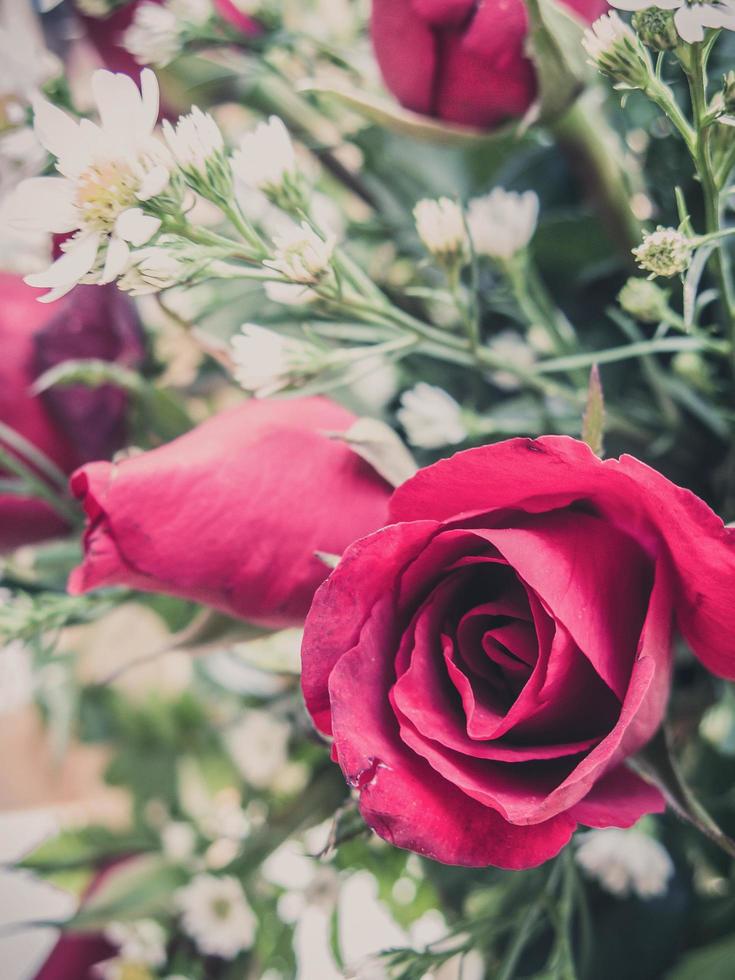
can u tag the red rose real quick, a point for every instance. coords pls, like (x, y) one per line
(460, 60)
(487, 662)
(69, 425)
(230, 514)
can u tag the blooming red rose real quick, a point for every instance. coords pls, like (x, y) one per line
(69, 425)
(231, 513)
(460, 60)
(488, 661)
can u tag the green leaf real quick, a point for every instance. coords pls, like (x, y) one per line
(713, 962)
(135, 889)
(381, 447)
(593, 422)
(554, 45)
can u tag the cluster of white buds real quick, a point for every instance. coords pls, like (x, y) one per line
(431, 417)
(625, 862)
(664, 252)
(265, 159)
(616, 50)
(266, 362)
(301, 255)
(441, 227)
(158, 31)
(502, 223)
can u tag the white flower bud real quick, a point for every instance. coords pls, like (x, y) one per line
(194, 142)
(440, 225)
(301, 255)
(265, 159)
(664, 252)
(625, 862)
(502, 223)
(267, 362)
(616, 50)
(431, 417)
(154, 36)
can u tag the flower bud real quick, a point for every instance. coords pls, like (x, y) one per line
(644, 300)
(656, 28)
(664, 252)
(440, 225)
(617, 52)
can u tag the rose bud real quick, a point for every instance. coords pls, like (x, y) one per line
(69, 425)
(460, 60)
(232, 513)
(488, 661)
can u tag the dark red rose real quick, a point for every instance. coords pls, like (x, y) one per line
(69, 425)
(231, 514)
(488, 661)
(460, 60)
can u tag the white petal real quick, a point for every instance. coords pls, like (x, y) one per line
(717, 16)
(53, 294)
(44, 203)
(53, 127)
(136, 227)
(116, 260)
(688, 24)
(154, 182)
(71, 267)
(150, 96)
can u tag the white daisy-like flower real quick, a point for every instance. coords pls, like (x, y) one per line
(216, 915)
(265, 158)
(178, 841)
(431, 417)
(502, 223)
(156, 32)
(664, 252)
(625, 862)
(301, 255)
(258, 744)
(107, 170)
(691, 19)
(266, 362)
(142, 942)
(440, 225)
(195, 141)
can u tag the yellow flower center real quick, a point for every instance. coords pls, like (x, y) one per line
(103, 192)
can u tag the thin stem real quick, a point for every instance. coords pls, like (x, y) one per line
(527, 925)
(38, 488)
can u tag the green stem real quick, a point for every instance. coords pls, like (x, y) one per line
(594, 151)
(663, 346)
(527, 925)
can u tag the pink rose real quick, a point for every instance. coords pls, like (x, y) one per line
(487, 662)
(231, 514)
(69, 425)
(460, 60)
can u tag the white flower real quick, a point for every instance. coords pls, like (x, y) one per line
(625, 862)
(107, 170)
(441, 227)
(664, 252)
(616, 50)
(289, 293)
(301, 255)
(266, 362)
(195, 141)
(502, 222)
(150, 270)
(142, 942)
(216, 915)
(513, 349)
(157, 30)
(178, 841)
(223, 817)
(691, 19)
(431, 417)
(258, 745)
(265, 158)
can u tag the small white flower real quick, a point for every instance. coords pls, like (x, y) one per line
(431, 417)
(289, 293)
(301, 255)
(216, 915)
(265, 158)
(513, 349)
(691, 19)
(178, 841)
(440, 225)
(502, 223)
(664, 252)
(142, 942)
(154, 36)
(195, 141)
(150, 270)
(625, 862)
(266, 362)
(258, 745)
(106, 171)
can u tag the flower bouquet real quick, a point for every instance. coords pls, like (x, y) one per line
(366, 448)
